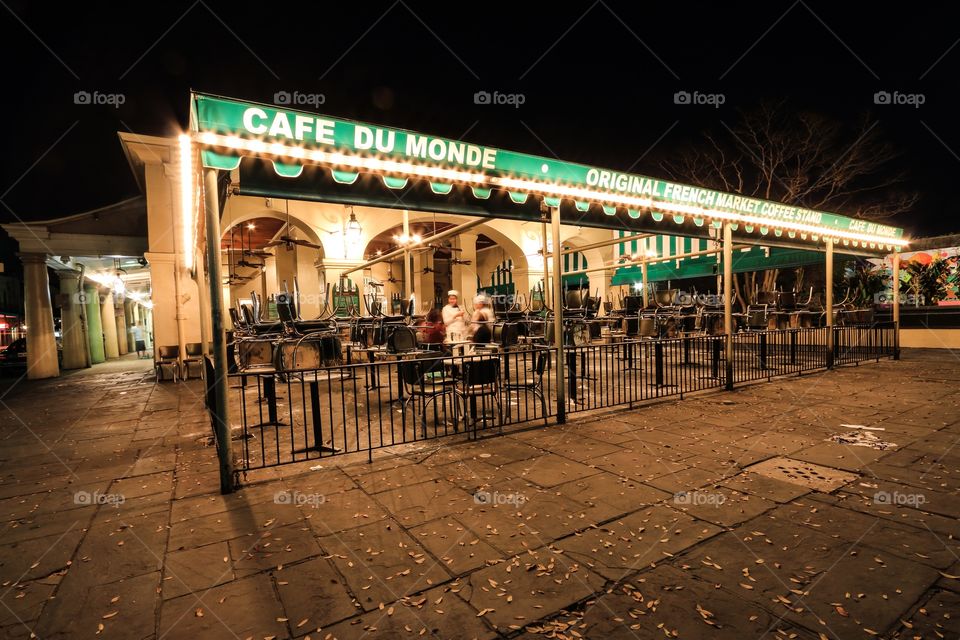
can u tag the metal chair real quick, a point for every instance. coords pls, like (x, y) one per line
(194, 356)
(481, 379)
(420, 382)
(167, 365)
(534, 384)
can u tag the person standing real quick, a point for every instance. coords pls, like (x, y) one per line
(139, 344)
(454, 318)
(481, 323)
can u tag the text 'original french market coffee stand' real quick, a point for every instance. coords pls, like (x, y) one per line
(280, 153)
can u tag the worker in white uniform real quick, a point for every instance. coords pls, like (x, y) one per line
(454, 318)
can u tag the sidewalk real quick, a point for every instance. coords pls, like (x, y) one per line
(649, 523)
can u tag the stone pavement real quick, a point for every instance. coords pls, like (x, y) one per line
(648, 523)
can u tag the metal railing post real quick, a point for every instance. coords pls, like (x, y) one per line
(221, 416)
(558, 314)
(829, 296)
(728, 300)
(896, 305)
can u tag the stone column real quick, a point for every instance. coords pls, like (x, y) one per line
(120, 321)
(72, 330)
(601, 283)
(94, 326)
(130, 321)
(465, 276)
(41, 343)
(521, 283)
(423, 282)
(109, 324)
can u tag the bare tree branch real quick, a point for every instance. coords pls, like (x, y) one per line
(802, 159)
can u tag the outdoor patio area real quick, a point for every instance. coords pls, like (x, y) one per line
(724, 515)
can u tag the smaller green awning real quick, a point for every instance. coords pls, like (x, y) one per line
(756, 259)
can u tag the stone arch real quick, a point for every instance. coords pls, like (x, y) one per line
(240, 218)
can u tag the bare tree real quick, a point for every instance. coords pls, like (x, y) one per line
(801, 159)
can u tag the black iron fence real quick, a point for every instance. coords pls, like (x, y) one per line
(396, 399)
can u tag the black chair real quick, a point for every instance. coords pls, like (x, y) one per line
(194, 356)
(481, 379)
(402, 340)
(421, 383)
(534, 384)
(167, 365)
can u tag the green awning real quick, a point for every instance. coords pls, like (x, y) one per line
(229, 130)
(755, 259)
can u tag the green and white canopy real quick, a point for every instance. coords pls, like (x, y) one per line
(324, 158)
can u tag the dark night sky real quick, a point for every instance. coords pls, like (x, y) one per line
(595, 90)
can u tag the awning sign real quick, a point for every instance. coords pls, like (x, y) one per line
(255, 127)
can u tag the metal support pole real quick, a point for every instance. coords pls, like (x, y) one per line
(221, 417)
(829, 304)
(896, 305)
(728, 301)
(558, 315)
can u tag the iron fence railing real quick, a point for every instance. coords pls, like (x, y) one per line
(396, 399)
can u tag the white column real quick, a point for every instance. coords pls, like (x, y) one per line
(128, 309)
(121, 327)
(643, 282)
(41, 343)
(465, 276)
(521, 282)
(108, 320)
(72, 329)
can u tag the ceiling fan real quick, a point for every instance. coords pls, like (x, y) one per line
(459, 261)
(390, 277)
(289, 240)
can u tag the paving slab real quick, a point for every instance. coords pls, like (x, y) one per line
(646, 537)
(528, 587)
(381, 563)
(548, 531)
(437, 613)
